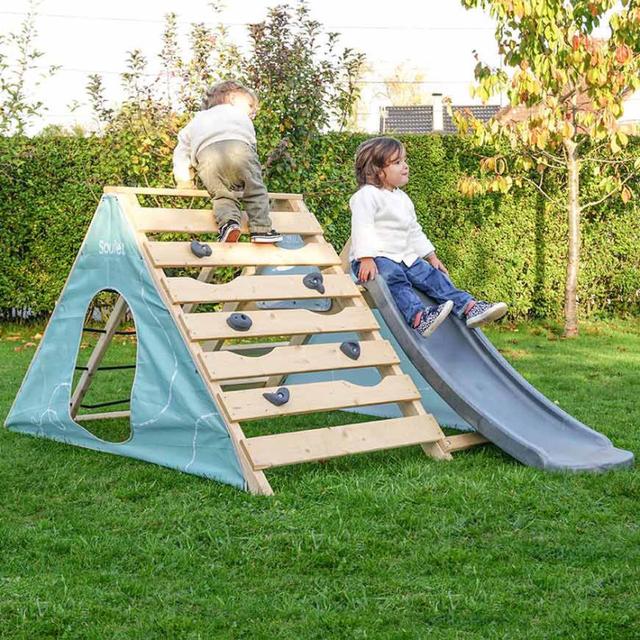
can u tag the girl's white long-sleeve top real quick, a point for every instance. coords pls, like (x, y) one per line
(384, 224)
(222, 122)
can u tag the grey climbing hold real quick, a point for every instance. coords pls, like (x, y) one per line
(350, 349)
(200, 249)
(279, 397)
(239, 321)
(314, 281)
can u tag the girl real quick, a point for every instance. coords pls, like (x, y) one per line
(387, 239)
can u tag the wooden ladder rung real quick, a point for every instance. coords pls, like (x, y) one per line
(250, 404)
(311, 445)
(241, 254)
(185, 290)
(224, 365)
(156, 220)
(193, 193)
(278, 322)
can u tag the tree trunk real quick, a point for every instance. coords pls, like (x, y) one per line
(573, 256)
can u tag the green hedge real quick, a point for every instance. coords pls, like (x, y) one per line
(499, 247)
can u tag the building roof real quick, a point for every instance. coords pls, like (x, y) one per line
(419, 119)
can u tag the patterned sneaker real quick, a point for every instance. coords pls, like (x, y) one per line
(268, 237)
(484, 312)
(200, 250)
(433, 317)
(229, 232)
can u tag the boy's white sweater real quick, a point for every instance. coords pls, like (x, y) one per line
(384, 224)
(222, 122)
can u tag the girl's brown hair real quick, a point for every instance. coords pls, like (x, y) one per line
(372, 156)
(221, 93)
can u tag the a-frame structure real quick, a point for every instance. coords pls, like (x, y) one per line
(236, 370)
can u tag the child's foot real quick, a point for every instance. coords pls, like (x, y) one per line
(483, 312)
(229, 232)
(267, 237)
(433, 317)
(200, 249)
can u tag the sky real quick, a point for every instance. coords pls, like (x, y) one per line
(435, 38)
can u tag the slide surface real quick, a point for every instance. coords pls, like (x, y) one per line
(481, 386)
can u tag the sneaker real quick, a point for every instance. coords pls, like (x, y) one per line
(433, 317)
(200, 249)
(268, 237)
(229, 232)
(484, 312)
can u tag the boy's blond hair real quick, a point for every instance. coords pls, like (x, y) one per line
(221, 93)
(373, 155)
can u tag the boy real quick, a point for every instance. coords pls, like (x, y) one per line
(220, 143)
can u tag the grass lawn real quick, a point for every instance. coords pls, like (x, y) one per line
(386, 545)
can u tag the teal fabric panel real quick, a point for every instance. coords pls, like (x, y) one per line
(174, 421)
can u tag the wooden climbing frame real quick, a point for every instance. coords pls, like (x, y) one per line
(238, 375)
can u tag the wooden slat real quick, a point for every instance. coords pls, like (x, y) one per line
(244, 288)
(463, 441)
(112, 415)
(241, 254)
(224, 365)
(157, 220)
(330, 442)
(317, 396)
(193, 193)
(278, 322)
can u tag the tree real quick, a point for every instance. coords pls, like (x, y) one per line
(305, 83)
(17, 107)
(404, 87)
(566, 89)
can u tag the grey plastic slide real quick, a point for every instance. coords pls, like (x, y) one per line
(481, 386)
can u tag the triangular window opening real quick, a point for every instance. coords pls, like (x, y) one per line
(105, 369)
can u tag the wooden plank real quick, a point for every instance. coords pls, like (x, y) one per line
(330, 442)
(225, 365)
(192, 193)
(112, 324)
(244, 288)
(178, 254)
(278, 322)
(112, 415)
(155, 220)
(317, 396)
(463, 441)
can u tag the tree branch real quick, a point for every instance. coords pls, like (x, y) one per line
(541, 190)
(608, 195)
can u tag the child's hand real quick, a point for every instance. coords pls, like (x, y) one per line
(185, 184)
(434, 261)
(368, 269)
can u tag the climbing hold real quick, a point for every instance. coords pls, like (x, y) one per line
(239, 321)
(350, 349)
(280, 397)
(314, 281)
(200, 250)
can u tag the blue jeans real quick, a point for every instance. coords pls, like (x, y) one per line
(401, 281)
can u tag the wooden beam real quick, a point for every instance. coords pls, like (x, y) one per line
(317, 396)
(277, 322)
(112, 324)
(330, 442)
(112, 415)
(184, 290)
(156, 220)
(224, 365)
(191, 193)
(463, 441)
(178, 254)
